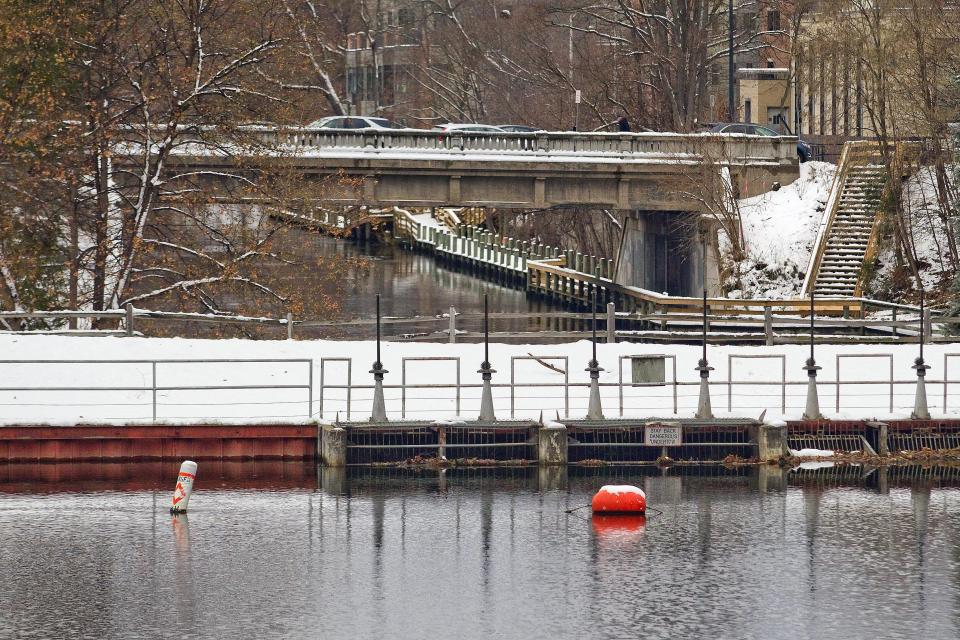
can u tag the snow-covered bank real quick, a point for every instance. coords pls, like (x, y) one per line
(929, 230)
(539, 387)
(780, 229)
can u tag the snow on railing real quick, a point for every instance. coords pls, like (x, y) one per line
(735, 149)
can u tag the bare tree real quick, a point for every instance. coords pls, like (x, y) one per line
(156, 69)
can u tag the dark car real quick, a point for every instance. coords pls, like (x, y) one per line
(804, 150)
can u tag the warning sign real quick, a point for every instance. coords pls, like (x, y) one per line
(663, 435)
(178, 493)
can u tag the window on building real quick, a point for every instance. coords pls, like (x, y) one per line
(773, 20)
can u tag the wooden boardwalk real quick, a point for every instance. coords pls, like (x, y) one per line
(570, 278)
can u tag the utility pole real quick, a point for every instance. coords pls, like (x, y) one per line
(731, 110)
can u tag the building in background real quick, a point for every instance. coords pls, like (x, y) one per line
(380, 61)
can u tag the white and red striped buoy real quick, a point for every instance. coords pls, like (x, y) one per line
(181, 493)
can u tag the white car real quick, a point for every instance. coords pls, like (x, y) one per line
(353, 122)
(468, 128)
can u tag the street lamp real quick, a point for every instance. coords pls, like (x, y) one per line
(704, 408)
(920, 410)
(379, 413)
(813, 401)
(486, 370)
(594, 411)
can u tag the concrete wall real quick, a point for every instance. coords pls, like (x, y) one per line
(662, 252)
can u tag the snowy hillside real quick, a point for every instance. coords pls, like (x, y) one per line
(780, 228)
(929, 232)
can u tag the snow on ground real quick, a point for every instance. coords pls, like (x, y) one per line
(812, 453)
(780, 229)
(929, 232)
(122, 392)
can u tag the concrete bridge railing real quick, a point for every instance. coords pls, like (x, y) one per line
(723, 149)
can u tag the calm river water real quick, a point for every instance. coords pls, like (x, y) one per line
(413, 284)
(277, 550)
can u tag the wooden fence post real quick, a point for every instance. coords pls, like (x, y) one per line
(453, 325)
(611, 323)
(129, 309)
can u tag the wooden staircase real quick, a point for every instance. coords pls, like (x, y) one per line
(847, 240)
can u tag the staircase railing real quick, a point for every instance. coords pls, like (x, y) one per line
(830, 212)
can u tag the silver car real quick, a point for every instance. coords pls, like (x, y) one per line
(468, 128)
(354, 122)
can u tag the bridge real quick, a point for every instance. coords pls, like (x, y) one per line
(417, 168)
(659, 177)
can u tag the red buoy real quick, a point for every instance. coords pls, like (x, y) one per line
(625, 498)
(616, 525)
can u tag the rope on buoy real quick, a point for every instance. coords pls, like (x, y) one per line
(657, 512)
(583, 506)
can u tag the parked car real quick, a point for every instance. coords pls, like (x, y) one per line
(451, 127)
(804, 150)
(354, 122)
(519, 128)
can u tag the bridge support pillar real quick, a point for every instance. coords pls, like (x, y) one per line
(661, 251)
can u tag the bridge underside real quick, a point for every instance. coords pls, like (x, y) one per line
(677, 185)
(659, 249)
(668, 253)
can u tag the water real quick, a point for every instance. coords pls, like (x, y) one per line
(272, 550)
(412, 283)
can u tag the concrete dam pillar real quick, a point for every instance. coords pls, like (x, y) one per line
(662, 252)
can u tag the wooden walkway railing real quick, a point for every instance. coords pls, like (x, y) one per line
(547, 326)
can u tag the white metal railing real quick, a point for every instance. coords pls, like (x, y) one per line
(147, 388)
(518, 397)
(429, 388)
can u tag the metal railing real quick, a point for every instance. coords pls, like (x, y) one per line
(552, 325)
(625, 397)
(441, 392)
(156, 389)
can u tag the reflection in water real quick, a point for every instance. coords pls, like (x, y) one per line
(618, 528)
(183, 572)
(490, 552)
(412, 284)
